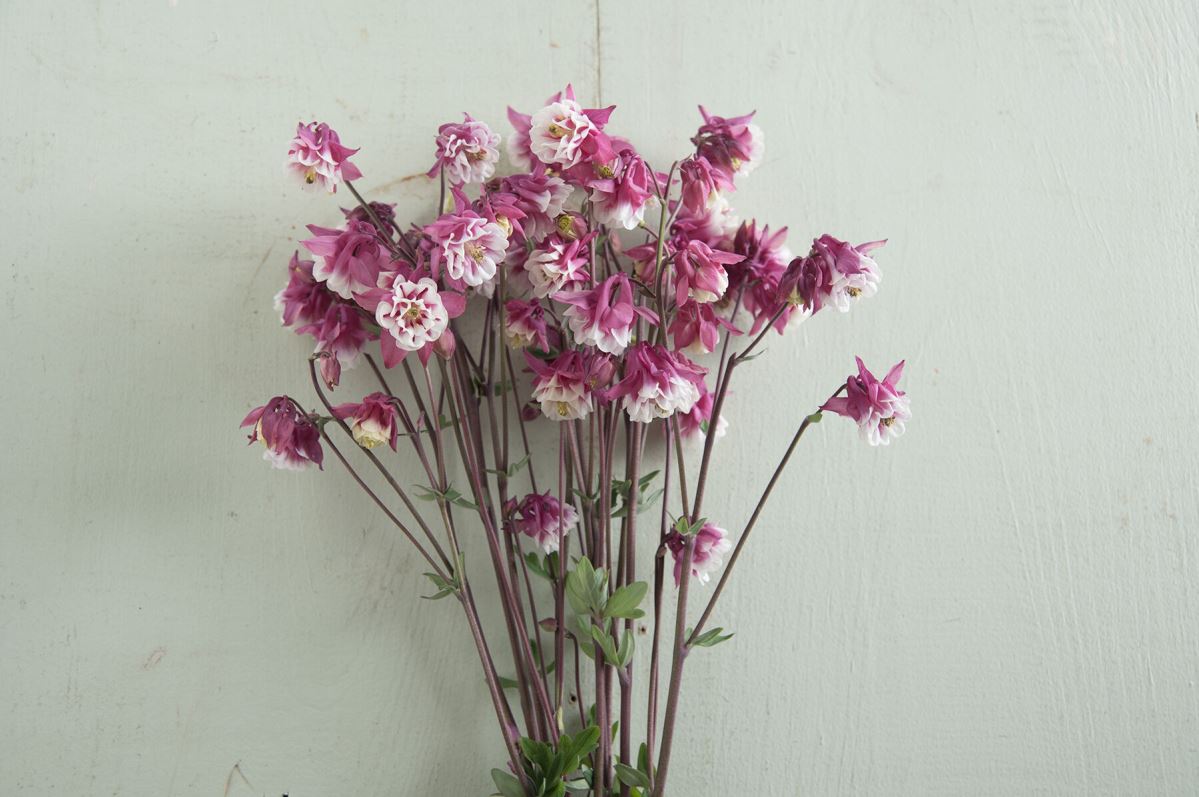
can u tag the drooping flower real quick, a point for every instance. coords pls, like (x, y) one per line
(880, 408)
(604, 316)
(698, 185)
(469, 245)
(562, 387)
(760, 275)
(520, 152)
(732, 146)
(317, 157)
(837, 273)
(710, 545)
(543, 518)
(468, 151)
(696, 328)
(701, 274)
(291, 437)
(350, 259)
(696, 423)
(557, 264)
(524, 324)
(330, 368)
(385, 212)
(372, 422)
(563, 133)
(340, 331)
(541, 197)
(657, 383)
(623, 198)
(303, 299)
(712, 225)
(411, 314)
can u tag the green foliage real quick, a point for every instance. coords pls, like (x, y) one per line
(552, 771)
(450, 586)
(624, 602)
(645, 498)
(711, 638)
(450, 495)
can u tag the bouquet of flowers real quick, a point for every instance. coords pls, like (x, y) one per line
(611, 302)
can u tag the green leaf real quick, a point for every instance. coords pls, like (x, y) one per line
(536, 567)
(632, 777)
(624, 602)
(711, 638)
(625, 654)
(507, 784)
(606, 644)
(443, 586)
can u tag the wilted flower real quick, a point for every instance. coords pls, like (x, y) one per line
(351, 259)
(467, 151)
(557, 264)
(303, 299)
(603, 316)
(317, 157)
(710, 546)
(732, 146)
(562, 387)
(469, 246)
(698, 185)
(385, 212)
(837, 273)
(372, 422)
(291, 438)
(657, 383)
(524, 324)
(880, 409)
(545, 519)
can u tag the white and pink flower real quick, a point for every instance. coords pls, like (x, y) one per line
(837, 273)
(701, 275)
(524, 324)
(470, 247)
(467, 151)
(657, 383)
(292, 439)
(562, 387)
(304, 299)
(733, 146)
(557, 264)
(710, 545)
(372, 422)
(880, 409)
(623, 199)
(350, 259)
(544, 519)
(341, 331)
(563, 133)
(604, 316)
(317, 157)
(541, 197)
(412, 316)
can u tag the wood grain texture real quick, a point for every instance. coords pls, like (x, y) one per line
(1004, 602)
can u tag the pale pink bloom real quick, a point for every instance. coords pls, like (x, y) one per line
(467, 151)
(330, 368)
(350, 259)
(557, 264)
(541, 197)
(469, 245)
(562, 387)
(732, 146)
(303, 299)
(291, 438)
(696, 423)
(710, 546)
(604, 316)
(317, 157)
(520, 153)
(372, 422)
(701, 275)
(880, 408)
(695, 328)
(524, 324)
(837, 273)
(544, 519)
(657, 383)
(341, 331)
(623, 199)
(563, 133)
(411, 315)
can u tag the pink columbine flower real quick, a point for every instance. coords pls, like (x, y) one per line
(623, 198)
(470, 246)
(317, 157)
(544, 519)
(713, 225)
(562, 387)
(604, 316)
(524, 324)
(697, 422)
(880, 409)
(468, 151)
(696, 328)
(411, 314)
(710, 546)
(563, 133)
(341, 331)
(701, 273)
(372, 422)
(732, 146)
(291, 438)
(698, 185)
(541, 197)
(657, 383)
(838, 273)
(557, 264)
(350, 259)
(519, 148)
(303, 299)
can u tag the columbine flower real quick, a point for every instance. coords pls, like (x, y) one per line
(696, 328)
(698, 185)
(563, 132)
(657, 383)
(712, 225)
(518, 145)
(303, 299)
(733, 146)
(317, 157)
(880, 409)
(603, 316)
(467, 151)
(623, 198)
(545, 519)
(291, 438)
(697, 422)
(340, 331)
(837, 273)
(469, 245)
(556, 264)
(372, 422)
(541, 197)
(524, 324)
(701, 274)
(385, 212)
(351, 259)
(412, 316)
(710, 546)
(562, 387)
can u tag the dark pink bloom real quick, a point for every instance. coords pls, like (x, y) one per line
(696, 328)
(761, 274)
(317, 157)
(701, 275)
(525, 324)
(341, 332)
(713, 225)
(541, 198)
(837, 273)
(604, 316)
(372, 422)
(469, 245)
(304, 299)
(544, 519)
(710, 546)
(384, 211)
(657, 383)
(467, 151)
(562, 387)
(697, 422)
(622, 198)
(732, 146)
(291, 438)
(698, 185)
(330, 368)
(351, 259)
(880, 408)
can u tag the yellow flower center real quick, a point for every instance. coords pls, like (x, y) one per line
(888, 421)
(854, 292)
(474, 252)
(556, 130)
(310, 176)
(563, 409)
